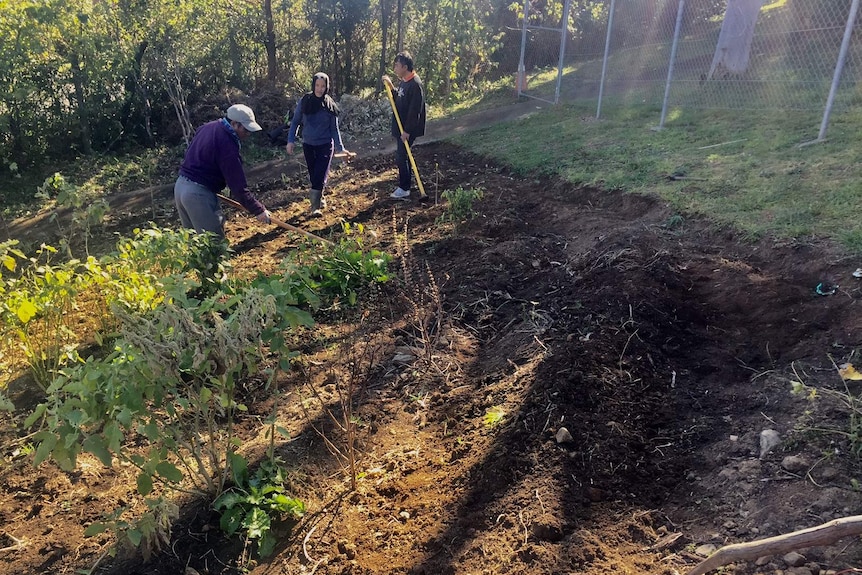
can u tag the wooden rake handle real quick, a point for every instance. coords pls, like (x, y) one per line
(276, 221)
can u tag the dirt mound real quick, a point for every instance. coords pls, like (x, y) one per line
(662, 346)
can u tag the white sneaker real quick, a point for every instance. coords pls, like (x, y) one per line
(400, 194)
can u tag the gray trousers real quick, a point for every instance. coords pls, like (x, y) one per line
(198, 207)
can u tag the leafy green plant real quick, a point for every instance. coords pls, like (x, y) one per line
(341, 271)
(37, 309)
(255, 501)
(850, 402)
(87, 211)
(459, 206)
(175, 254)
(494, 416)
(171, 378)
(151, 532)
(49, 308)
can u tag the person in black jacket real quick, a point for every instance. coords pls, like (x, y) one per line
(410, 104)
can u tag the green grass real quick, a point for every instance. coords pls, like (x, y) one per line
(744, 168)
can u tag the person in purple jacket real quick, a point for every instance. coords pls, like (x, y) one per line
(317, 113)
(212, 162)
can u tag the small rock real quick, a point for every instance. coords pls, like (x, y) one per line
(404, 515)
(563, 436)
(404, 358)
(706, 549)
(828, 473)
(794, 464)
(769, 439)
(347, 549)
(547, 531)
(794, 559)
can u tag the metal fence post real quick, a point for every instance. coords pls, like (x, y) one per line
(522, 72)
(605, 58)
(670, 64)
(839, 67)
(564, 32)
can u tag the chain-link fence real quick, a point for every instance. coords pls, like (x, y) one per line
(730, 54)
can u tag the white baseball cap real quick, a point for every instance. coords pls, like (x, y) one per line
(243, 114)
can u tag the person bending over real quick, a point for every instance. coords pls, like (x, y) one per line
(211, 163)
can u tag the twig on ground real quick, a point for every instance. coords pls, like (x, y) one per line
(18, 544)
(524, 525)
(305, 543)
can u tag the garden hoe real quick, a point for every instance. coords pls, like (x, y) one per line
(276, 221)
(389, 89)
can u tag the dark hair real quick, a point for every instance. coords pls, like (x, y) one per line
(311, 104)
(406, 59)
(320, 76)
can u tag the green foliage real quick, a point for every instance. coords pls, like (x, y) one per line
(86, 211)
(851, 403)
(8, 255)
(43, 302)
(151, 532)
(183, 339)
(36, 310)
(172, 379)
(459, 206)
(494, 416)
(256, 500)
(337, 274)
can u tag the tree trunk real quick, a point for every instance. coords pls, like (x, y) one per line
(399, 17)
(269, 44)
(384, 38)
(83, 116)
(734, 40)
(237, 75)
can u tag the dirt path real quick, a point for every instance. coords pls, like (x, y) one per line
(663, 346)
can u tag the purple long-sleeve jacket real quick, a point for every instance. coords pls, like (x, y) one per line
(213, 161)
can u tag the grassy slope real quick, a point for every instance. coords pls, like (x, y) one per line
(744, 168)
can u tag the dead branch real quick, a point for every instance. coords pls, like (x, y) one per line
(825, 534)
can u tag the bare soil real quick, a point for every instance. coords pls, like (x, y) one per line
(664, 346)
